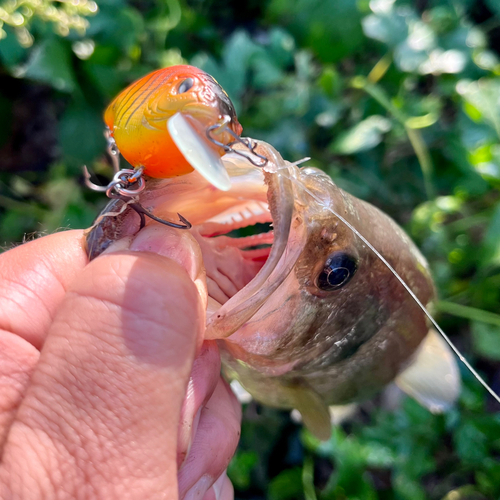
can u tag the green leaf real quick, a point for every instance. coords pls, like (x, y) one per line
(287, 485)
(240, 468)
(105, 78)
(266, 72)
(471, 444)
(282, 47)
(408, 489)
(330, 28)
(117, 27)
(390, 28)
(236, 56)
(486, 339)
(494, 6)
(363, 136)
(484, 95)
(330, 81)
(50, 63)
(81, 135)
(11, 52)
(491, 242)
(16, 225)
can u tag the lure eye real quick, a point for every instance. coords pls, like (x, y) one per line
(338, 271)
(185, 85)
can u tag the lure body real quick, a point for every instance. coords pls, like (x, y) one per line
(137, 118)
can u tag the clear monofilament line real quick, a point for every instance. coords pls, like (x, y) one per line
(411, 293)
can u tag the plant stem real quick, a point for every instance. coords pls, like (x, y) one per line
(471, 313)
(414, 136)
(308, 479)
(424, 158)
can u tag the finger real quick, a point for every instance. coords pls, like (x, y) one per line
(33, 280)
(100, 418)
(214, 444)
(202, 382)
(18, 359)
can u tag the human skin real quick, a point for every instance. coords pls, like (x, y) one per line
(107, 389)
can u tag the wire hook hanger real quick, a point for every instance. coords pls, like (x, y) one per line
(126, 185)
(218, 128)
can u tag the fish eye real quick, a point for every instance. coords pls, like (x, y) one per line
(338, 270)
(185, 85)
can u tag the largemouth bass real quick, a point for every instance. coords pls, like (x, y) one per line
(306, 316)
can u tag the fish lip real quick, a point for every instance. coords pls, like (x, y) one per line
(240, 308)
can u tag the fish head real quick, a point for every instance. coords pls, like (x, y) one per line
(329, 299)
(138, 117)
(309, 303)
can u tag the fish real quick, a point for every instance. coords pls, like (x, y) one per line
(306, 315)
(139, 122)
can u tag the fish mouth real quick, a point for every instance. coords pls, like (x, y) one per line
(242, 272)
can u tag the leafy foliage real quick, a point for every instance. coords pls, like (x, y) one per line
(398, 101)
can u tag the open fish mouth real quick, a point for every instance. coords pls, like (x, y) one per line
(242, 272)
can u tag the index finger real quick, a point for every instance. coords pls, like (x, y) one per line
(34, 278)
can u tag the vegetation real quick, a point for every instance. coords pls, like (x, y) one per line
(398, 101)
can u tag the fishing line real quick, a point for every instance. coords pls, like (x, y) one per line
(407, 288)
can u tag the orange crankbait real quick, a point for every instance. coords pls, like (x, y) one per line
(137, 118)
(166, 124)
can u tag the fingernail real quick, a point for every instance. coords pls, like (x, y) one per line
(200, 488)
(169, 242)
(119, 245)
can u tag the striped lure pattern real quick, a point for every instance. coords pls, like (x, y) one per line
(137, 117)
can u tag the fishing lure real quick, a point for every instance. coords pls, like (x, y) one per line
(167, 124)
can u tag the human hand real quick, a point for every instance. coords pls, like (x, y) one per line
(100, 392)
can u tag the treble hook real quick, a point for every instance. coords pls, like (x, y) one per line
(143, 213)
(222, 127)
(126, 185)
(113, 151)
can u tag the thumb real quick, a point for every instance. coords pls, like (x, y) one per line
(100, 418)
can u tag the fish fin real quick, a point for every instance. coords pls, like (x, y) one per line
(242, 395)
(341, 413)
(338, 413)
(432, 378)
(313, 410)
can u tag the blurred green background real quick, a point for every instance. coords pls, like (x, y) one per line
(398, 101)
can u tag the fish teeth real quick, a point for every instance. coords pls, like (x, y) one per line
(246, 214)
